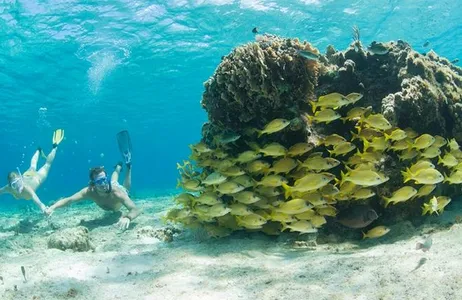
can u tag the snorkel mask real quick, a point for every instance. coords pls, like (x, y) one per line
(18, 183)
(102, 183)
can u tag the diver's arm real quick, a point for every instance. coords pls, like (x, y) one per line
(5, 189)
(80, 195)
(36, 199)
(133, 211)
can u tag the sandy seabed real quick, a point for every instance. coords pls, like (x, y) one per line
(127, 265)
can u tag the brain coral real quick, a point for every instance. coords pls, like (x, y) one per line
(259, 81)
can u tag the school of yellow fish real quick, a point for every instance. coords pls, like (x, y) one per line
(272, 188)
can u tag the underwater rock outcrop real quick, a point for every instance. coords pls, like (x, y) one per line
(76, 239)
(260, 81)
(295, 137)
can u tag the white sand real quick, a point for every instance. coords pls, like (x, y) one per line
(125, 266)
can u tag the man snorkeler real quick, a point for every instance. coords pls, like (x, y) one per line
(106, 193)
(24, 186)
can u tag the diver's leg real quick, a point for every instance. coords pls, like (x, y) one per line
(128, 177)
(45, 169)
(116, 173)
(34, 160)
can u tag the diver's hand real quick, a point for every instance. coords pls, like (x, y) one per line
(49, 211)
(123, 223)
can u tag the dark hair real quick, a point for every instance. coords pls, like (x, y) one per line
(95, 171)
(12, 175)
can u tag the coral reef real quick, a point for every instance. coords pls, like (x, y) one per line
(76, 239)
(165, 234)
(275, 155)
(259, 81)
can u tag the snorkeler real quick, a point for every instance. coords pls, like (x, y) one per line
(24, 186)
(108, 193)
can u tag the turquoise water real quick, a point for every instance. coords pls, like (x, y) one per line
(97, 67)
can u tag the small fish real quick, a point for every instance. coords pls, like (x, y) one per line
(455, 61)
(274, 126)
(323, 116)
(229, 187)
(396, 135)
(246, 197)
(368, 133)
(327, 210)
(377, 48)
(453, 145)
(247, 156)
(342, 149)
(354, 97)
(425, 176)
(376, 232)
(300, 226)
(255, 30)
(425, 190)
(292, 207)
(244, 180)
(357, 216)
(431, 152)
(426, 44)
(217, 210)
(226, 138)
(233, 171)
(403, 194)
(214, 178)
(318, 221)
(23, 270)
(208, 199)
(363, 178)
(272, 181)
(333, 140)
(252, 221)
(430, 207)
(308, 54)
(284, 165)
(332, 100)
(425, 245)
(273, 149)
(377, 121)
(420, 263)
(307, 215)
(423, 141)
(454, 178)
(448, 160)
(299, 149)
(258, 166)
(356, 113)
(439, 141)
(239, 209)
(363, 194)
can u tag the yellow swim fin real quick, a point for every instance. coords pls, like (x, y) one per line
(58, 137)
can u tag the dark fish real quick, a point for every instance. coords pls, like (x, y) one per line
(255, 30)
(23, 270)
(425, 246)
(358, 216)
(455, 61)
(377, 48)
(426, 44)
(308, 54)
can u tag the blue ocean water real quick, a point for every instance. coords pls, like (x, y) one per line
(94, 68)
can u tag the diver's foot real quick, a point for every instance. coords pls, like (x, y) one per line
(129, 165)
(55, 145)
(119, 164)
